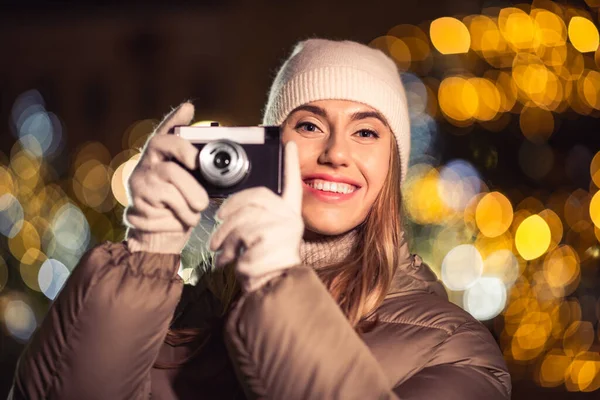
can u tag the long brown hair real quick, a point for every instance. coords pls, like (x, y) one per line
(358, 285)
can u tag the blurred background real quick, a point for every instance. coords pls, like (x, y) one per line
(502, 194)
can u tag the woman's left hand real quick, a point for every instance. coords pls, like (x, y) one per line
(268, 227)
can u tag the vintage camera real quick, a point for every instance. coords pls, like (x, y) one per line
(236, 158)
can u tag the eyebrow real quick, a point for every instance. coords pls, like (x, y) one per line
(354, 117)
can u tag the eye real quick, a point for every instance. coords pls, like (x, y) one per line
(373, 134)
(308, 125)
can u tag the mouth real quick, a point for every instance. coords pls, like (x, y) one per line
(330, 191)
(330, 187)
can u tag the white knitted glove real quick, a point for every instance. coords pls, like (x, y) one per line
(268, 228)
(165, 201)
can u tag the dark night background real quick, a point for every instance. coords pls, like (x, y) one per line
(101, 66)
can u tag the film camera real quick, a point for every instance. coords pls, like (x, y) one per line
(235, 158)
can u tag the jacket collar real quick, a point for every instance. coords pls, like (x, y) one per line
(412, 273)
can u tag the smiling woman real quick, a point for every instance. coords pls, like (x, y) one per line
(336, 151)
(325, 302)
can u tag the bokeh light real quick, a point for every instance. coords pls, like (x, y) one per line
(31, 262)
(450, 36)
(486, 298)
(582, 374)
(462, 267)
(19, 319)
(458, 98)
(556, 227)
(415, 39)
(396, 49)
(422, 197)
(550, 29)
(578, 338)
(51, 277)
(137, 134)
(533, 237)
(416, 95)
(502, 264)
(595, 209)
(517, 28)
(485, 35)
(489, 102)
(562, 269)
(512, 77)
(494, 214)
(71, 234)
(591, 88)
(553, 368)
(11, 215)
(583, 34)
(458, 182)
(121, 177)
(577, 208)
(27, 239)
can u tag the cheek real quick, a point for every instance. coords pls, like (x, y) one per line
(308, 153)
(375, 169)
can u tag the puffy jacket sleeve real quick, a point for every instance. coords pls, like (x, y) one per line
(468, 365)
(290, 340)
(102, 334)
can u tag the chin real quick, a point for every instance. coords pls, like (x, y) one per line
(328, 227)
(324, 231)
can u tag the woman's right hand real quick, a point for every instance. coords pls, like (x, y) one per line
(165, 200)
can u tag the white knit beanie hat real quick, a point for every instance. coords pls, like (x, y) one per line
(321, 69)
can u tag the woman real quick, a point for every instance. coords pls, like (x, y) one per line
(325, 302)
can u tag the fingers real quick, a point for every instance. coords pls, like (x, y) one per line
(292, 178)
(182, 115)
(152, 197)
(234, 228)
(271, 258)
(169, 196)
(144, 217)
(188, 187)
(166, 147)
(163, 196)
(162, 146)
(229, 250)
(271, 261)
(237, 232)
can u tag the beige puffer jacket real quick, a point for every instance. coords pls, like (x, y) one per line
(288, 340)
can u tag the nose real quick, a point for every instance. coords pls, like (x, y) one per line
(336, 151)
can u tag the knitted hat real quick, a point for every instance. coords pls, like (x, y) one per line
(321, 69)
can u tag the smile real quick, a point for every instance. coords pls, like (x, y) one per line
(333, 187)
(330, 192)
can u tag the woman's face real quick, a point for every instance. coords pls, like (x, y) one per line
(344, 149)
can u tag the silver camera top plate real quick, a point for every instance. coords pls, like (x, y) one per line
(205, 134)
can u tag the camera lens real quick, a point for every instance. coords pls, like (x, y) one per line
(224, 163)
(222, 160)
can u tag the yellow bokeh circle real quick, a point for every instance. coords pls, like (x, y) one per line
(494, 214)
(533, 237)
(583, 34)
(458, 98)
(450, 36)
(595, 209)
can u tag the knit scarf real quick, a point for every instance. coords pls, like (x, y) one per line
(322, 250)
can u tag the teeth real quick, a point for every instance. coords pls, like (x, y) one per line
(335, 187)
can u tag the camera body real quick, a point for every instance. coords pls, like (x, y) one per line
(232, 159)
